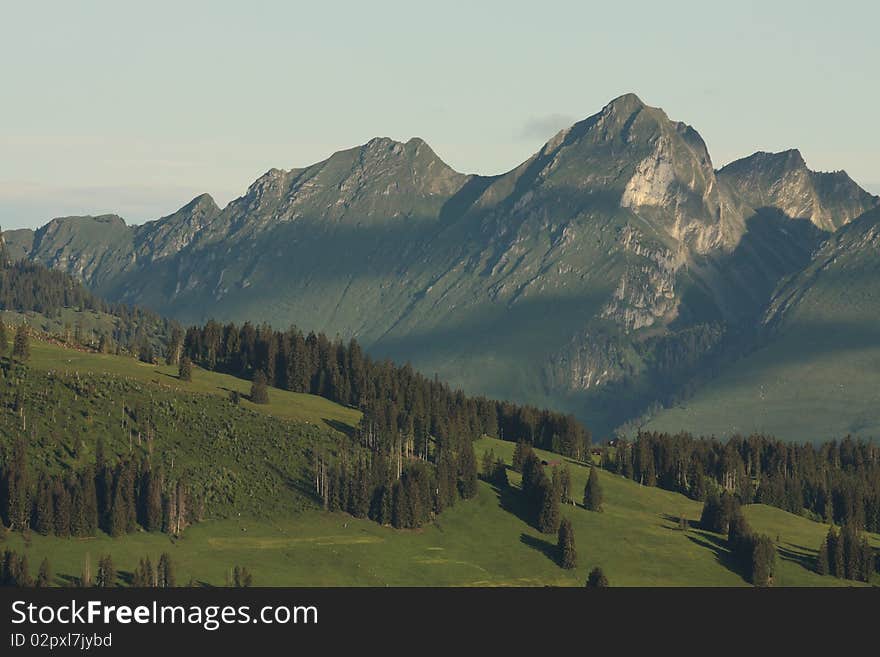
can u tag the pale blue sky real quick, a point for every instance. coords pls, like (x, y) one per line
(135, 108)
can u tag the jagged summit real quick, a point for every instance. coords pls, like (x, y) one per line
(627, 102)
(535, 284)
(785, 182)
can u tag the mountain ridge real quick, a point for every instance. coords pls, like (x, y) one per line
(542, 284)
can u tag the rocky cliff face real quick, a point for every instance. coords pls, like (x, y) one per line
(533, 285)
(783, 181)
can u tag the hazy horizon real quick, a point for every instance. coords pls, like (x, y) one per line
(136, 110)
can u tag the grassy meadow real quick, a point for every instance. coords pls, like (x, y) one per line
(482, 542)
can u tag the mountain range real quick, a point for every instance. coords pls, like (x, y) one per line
(616, 273)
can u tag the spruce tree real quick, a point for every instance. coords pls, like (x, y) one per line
(165, 572)
(763, 560)
(18, 488)
(596, 579)
(106, 576)
(24, 574)
(565, 545)
(44, 576)
(548, 514)
(593, 496)
(822, 560)
(260, 388)
(4, 337)
(61, 504)
(21, 347)
(185, 369)
(519, 455)
(838, 557)
(44, 517)
(467, 471)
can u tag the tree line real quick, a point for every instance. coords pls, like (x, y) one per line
(753, 554)
(845, 553)
(29, 286)
(396, 400)
(117, 499)
(838, 482)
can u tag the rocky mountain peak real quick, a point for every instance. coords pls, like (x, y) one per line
(784, 182)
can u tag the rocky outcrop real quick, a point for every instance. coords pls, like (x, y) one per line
(783, 181)
(645, 292)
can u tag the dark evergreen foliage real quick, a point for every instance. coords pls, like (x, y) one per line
(565, 545)
(838, 481)
(596, 579)
(185, 369)
(396, 400)
(593, 496)
(259, 388)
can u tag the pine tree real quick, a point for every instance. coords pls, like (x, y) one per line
(24, 572)
(61, 504)
(593, 496)
(486, 464)
(185, 369)
(838, 558)
(565, 484)
(259, 388)
(519, 455)
(174, 347)
(242, 577)
(499, 474)
(44, 576)
(548, 514)
(18, 486)
(153, 501)
(596, 579)
(106, 576)
(44, 516)
(165, 572)
(4, 337)
(21, 347)
(467, 471)
(565, 545)
(823, 566)
(763, 560)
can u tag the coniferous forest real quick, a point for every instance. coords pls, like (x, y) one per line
(409, 458)
(837, 481)
(395, 399)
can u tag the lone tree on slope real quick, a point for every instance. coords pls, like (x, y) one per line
(593, 492)
(567, 552)
(260, 388)
(185, 369)
(597, 579)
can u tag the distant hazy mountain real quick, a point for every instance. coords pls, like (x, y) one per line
(816, 375)
(612, 269)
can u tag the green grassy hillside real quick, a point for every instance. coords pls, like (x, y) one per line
(240, 458)
(283, 404)
(484, 541)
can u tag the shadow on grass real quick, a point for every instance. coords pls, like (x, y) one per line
(718, 546)
(546, 548)
(68, 580)
(676, 522)
(294, 485)
(341, 427)
(513, 501)
(807, 560)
